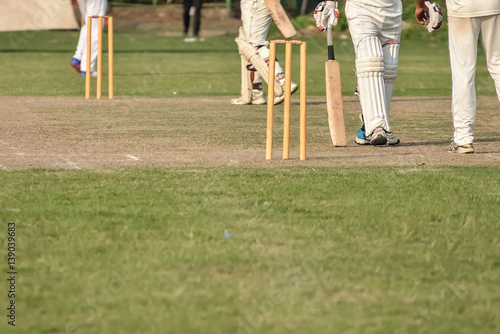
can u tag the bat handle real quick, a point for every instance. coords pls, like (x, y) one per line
(329, 40)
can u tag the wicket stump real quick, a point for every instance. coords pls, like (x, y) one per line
(99, 55)
(287, 92)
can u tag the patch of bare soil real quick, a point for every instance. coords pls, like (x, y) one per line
(72, 133)
(215, 19)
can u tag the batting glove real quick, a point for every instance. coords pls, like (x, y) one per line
(326, 14)
(435, 16)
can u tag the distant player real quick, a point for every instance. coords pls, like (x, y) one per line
(256, 20)
(467, 21)
(189, 7)
(87, 8)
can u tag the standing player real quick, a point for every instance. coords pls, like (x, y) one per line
(375, 28)
(87, 8)
(256, 20)
(190, 5)
(467, 21)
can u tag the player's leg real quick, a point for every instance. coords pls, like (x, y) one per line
(463, 34)
(391, 52)
(187, 4)
(490, 38)
(390, 38)
(364, 29)
(257, 29)
(197, 17)
(251, 80)
(258, 96)
(82, 39)
(92, 8)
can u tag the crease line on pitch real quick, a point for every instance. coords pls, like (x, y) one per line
(130, 156)
(69, 162)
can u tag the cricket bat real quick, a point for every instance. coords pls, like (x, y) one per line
(334, 96)
(280, 18)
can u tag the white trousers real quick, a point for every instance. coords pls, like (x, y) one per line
(256, 20)
(89, 8)
(463, 37)
(375, 33)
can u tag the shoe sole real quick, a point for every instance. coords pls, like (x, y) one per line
(393, 141)
(465, 149)
(462, 151)
(360, 141)
(378, 140)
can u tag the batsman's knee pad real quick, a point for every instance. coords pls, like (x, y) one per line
(391, 53)
(369, 57)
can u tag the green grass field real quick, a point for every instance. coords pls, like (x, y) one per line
(273, 249)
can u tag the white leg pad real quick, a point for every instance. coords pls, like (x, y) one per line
(246, 83)
(252, 56)
(391, 52)
(370, 73)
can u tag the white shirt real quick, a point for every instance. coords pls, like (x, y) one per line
(470, 8)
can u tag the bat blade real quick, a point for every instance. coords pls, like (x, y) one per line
(334, 103)
(280, 18)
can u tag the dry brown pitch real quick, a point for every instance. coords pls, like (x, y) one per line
(72, 133)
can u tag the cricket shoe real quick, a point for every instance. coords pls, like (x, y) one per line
(378, 137)
(461, 149)
(361, 139)
(240, 101)
(257, 98)
(75, 63)
(279, 99)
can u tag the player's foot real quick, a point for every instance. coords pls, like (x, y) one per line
(361, 139)
(281, 98)
(258, 97)
(84, 73)
(391, 140)
(75, 63)
(240, 101)
(378, 137)
(461, 149)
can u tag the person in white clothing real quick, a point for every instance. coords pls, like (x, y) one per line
(87, 8)
(467, 21)
(375, 28)
(256, 20)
